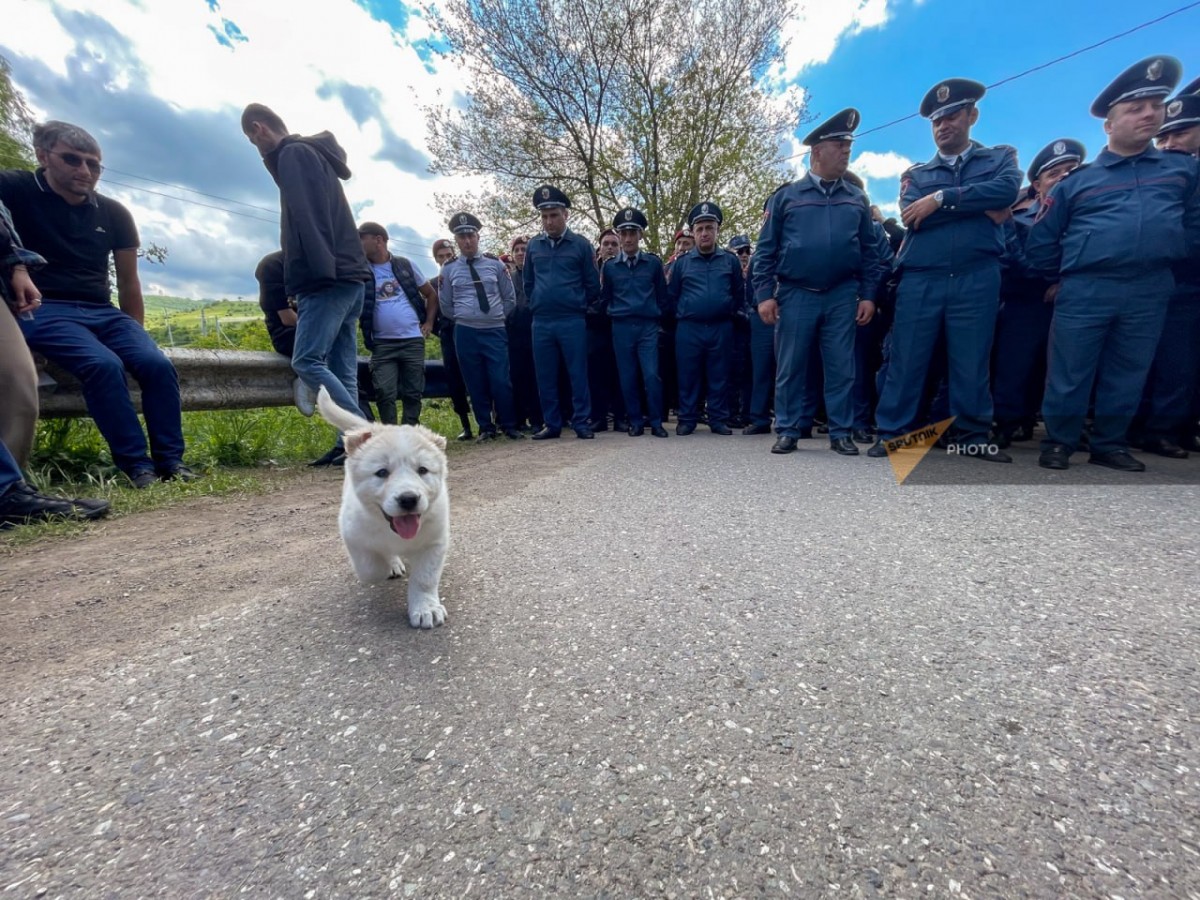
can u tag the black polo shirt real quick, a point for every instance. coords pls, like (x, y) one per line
(75, 240)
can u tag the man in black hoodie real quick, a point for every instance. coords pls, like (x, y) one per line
(325, 268)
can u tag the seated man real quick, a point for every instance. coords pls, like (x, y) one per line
(20, 503)
(63, 218)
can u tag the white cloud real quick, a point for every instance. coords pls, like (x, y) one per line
(168, 52)
(814, 33)
(870, 164)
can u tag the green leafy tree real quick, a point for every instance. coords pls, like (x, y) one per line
(634, 102)
(16, 124)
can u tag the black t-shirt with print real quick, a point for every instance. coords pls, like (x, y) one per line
(75, 240)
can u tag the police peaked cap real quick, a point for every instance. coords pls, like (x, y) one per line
(1192, 87)
(949, 96)
(630, 218)
(1154, 76)
(548, 196)
(1182, 112)
(706, 212)
(685, 231)
(738, 241)
(464, 223)
(839, 128)
(1054, 153)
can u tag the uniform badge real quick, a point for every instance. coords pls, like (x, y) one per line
(704, 210)
(628, 215)
(1059, 148)
(1174, 108)
(545, 193)
(462, 220)
(1154, 70)
(851, 120)
(943, 93)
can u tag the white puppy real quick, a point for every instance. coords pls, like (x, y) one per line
(395, 506)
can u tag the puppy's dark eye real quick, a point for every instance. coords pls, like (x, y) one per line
(422, 471)
(382, 473)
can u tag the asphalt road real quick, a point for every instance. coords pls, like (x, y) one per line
(679, 668)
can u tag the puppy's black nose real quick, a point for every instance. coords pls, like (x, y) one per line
(408, 500)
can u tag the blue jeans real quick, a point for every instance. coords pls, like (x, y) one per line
(635, 342)
(808, 321)
(10, 472)
(98, 344)
(483, 356)
(326, 353)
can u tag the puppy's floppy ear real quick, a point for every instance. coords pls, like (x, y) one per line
(355, 439)
(438, 440)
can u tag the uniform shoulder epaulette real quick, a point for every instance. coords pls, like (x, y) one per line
(771, 196)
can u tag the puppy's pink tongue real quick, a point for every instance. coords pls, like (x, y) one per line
(406, 526)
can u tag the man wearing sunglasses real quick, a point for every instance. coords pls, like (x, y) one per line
(59, 214)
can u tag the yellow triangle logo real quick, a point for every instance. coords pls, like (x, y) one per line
(906, 451)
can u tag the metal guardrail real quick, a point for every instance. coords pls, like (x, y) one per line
(213, 379)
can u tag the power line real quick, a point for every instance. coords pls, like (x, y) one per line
(180, 187)
(1037, 68)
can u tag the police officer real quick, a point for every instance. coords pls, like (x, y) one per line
(705, 290)
(1168, 418)
(520, 345)
(741, 384)
(1110, 232)
(561, 282)
(949, 268)
(633, 292)
(1023, 325)
(815, 278)
(477, 295)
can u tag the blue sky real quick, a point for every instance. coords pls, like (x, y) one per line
(166, 111)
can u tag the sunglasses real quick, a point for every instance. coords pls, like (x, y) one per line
(743, 251)
(74, 160)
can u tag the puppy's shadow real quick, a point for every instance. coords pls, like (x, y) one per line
(384, 608)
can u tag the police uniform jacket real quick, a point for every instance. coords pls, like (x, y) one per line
(459, 301)
(817, 241)
(560, 276)
(706, 288)
(1018, 282)
(959, 237)
(1119, 219)
(633, 292)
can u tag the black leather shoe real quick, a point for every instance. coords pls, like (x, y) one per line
(720, 428)
(844, 446)
(806, 434)
(877, 451)
(1056, 456)
(685, 428)
(1002, 437)
(514, 434)
(635, 430)
(1119, 460)
(586, 434)
(600, 425)
(465, 435)
(21, 505)
(1023, 433)
(181, 473)
(784, 444)
(861, 437)
(547, 434)
(988, 453)
(331, 458)
(143, 480)
(1163, 447)
(485, 436)
(659, 431)
(757, 429)
(621, 425)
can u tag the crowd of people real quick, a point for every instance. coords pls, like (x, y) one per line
(1073, 298)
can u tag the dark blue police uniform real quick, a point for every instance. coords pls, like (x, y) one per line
(633, 293)
(561, 282)
(1171, 401)
(950, 279)
(1110, 232)
(703, 295)
(868, 345)
(820, 244)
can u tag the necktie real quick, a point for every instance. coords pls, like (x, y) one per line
(827, 185)
(484, 306)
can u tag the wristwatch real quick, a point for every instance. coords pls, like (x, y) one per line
(938, 197)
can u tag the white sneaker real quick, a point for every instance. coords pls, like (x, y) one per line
(305, 398)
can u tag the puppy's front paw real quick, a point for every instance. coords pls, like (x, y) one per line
(397, 568)
(426, 613)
